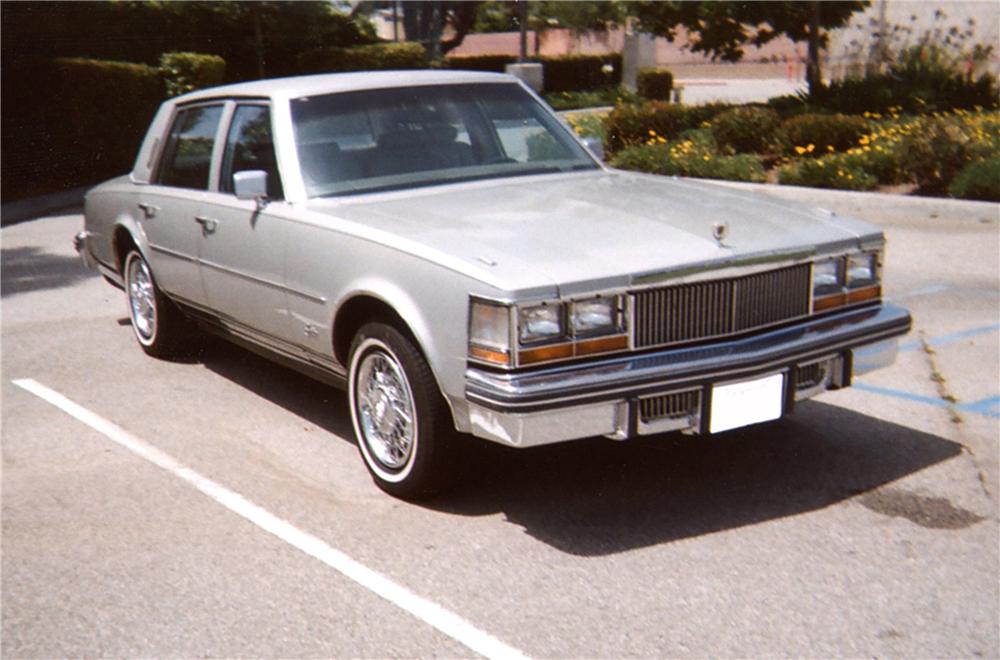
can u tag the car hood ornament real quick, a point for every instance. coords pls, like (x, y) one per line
(719, 231)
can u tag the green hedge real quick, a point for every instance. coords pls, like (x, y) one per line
(978, 180)
(631, 124)
(407, 55)
(826, 133)
(566, 73)
(654, 84)
(186, 72)
(749, 129)
(83, 125)
(494, 63)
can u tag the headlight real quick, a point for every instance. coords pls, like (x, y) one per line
(862, 269)
(540, 323)
(594, 317)
(828, 276)
(489, 332)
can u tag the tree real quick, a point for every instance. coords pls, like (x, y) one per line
(721, 29)
(425, 22)
(579, 17)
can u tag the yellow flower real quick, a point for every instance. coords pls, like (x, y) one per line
(800, 150)
(840, 172)
(810, 147)
(706, 157)
(863, 140)
(652, 132)
(830, 148)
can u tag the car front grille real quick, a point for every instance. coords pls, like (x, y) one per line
(717, 308)
(675, 405)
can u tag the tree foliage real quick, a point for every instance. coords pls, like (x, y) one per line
(722, 29)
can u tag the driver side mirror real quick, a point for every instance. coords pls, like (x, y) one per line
(251, 184)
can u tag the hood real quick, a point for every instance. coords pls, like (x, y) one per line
(594, 230)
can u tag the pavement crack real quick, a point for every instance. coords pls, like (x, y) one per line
(941, 383)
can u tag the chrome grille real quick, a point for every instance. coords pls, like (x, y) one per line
(669, 406)
(703, 310)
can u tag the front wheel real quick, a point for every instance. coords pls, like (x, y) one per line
(402, 424)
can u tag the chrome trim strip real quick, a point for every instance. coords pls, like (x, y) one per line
(645, 374)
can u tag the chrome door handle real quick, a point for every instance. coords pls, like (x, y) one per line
(149, 210)
(207, 224)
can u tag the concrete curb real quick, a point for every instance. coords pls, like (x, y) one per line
(12, 213)
(817, 195)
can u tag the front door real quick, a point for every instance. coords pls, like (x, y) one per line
(243, 246)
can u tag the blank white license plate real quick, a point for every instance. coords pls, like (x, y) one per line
(747, 402)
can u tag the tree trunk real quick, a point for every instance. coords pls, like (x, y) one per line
(813, 76)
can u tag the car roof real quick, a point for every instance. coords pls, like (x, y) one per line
(329, 83)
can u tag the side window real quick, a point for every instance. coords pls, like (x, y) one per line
(249, 146)
(187, 156)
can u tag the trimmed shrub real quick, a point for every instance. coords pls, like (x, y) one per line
(979, 180)
(825, 173)
(629, 125)
(654, 84)
(591, 98)
(748, 129)
(934, 155)
(374, 57)
(572, 73)
(100, 112)
(823, 131)
(494, 63)
(689, 158)
(908, 91)
(186, 72)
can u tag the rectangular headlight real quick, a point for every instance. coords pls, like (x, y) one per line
(862, 269)
(597, 316)
(828, 276)
(540, 323)
(489, 332)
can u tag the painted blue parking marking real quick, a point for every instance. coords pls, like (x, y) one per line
(988, 407)
(944, 340)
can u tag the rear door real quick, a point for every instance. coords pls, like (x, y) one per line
(169, 205)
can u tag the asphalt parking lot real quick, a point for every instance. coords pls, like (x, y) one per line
(217, 506)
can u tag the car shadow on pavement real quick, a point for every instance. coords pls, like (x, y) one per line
(597, 497)
(25, 269)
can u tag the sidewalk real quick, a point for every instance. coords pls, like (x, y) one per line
(12, 213)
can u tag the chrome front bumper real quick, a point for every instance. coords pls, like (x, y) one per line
(606, 397)
(83, 250)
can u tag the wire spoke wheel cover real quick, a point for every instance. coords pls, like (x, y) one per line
(141, 298)
(385, 409)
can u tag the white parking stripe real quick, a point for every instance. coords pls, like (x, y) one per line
(429, 612)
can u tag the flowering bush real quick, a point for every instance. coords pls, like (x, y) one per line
(830, 172)
(747, 130)
(629, 125)
(694, 155)
(826, 133)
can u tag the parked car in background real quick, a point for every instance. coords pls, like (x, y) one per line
(440, 245)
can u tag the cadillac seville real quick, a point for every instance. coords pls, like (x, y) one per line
(443, 247)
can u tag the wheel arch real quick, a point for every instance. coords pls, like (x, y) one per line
(367, 305)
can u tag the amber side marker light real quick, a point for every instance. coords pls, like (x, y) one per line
(545, 353)
(841, 299)
(487, 355)
(601, 345)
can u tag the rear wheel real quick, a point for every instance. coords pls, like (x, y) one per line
(403, 427)
(156, 323)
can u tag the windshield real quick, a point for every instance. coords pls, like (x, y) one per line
(385, 139)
